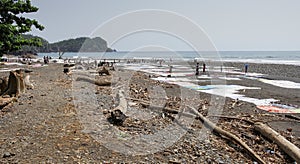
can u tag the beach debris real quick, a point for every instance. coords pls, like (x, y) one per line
(228, 135)
(8, 154)
(103, 71)
(289, 148)
(93, 81)
(279, 108)
(60, 54)
(27, 82)
(3, 83)
(4, 101)
(117, 115)
(122, 102)
(232, 117)
(68, 68)
(16, 84)
(292, 116)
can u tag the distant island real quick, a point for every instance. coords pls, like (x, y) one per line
(81, 44)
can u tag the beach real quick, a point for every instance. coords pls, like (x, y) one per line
(62, 120)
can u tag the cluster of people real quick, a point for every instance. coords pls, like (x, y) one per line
(46, 59)
(197, 68)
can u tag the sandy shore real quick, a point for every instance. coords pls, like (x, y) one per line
(46, 126)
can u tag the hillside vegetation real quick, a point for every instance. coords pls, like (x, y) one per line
(81, 44)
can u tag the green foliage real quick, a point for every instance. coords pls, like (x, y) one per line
(82, 44)
(13, 25)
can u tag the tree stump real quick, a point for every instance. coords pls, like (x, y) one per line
(3, 84)
(16, 84)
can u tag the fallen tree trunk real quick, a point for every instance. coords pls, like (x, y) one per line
(212, 126)
(228, 135)
(93, 81)
(232, 117)
(289, 148)
(164, 109)
(292, 117)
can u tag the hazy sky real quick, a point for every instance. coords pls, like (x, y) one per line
(230, 24)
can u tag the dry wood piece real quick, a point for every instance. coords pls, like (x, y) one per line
(292, 117)
(211, 125)
(117, 114)
(27, 82)
(289, 148)
(6, 101)
(122, 103)
(229, 135)
(234, 118)
(93, 81)
(3, 84)
(104, 71)
(164, 109)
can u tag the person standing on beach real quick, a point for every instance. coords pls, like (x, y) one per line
(45, 60)
(170, 71)
(197, 69)
(246, 68)
(204, 67)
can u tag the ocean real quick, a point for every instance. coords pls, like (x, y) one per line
(269, 57)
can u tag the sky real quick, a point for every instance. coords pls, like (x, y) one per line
(230, 25)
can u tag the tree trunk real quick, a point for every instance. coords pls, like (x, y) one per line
(227, 134)
(16, 84)
(93, 81)
(3, 84)
(289, 148)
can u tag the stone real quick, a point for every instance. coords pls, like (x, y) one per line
(7, 155)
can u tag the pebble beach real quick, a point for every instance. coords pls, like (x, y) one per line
(50, 122)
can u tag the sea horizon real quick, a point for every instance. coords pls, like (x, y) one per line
(264, 57)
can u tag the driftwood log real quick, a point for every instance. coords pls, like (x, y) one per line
(214, 127)
(228, 135)
(93, 81)
(117, 115)
(289, 148)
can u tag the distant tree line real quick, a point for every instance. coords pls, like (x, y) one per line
(82, 44)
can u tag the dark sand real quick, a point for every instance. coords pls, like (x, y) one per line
(44, 126)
